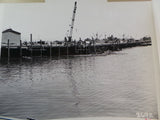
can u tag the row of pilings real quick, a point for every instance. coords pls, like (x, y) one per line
(50, 51)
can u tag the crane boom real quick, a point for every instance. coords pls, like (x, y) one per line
(72, 23)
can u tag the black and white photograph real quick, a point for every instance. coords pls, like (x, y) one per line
(77, 59)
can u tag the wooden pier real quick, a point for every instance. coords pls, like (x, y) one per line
(50, 50)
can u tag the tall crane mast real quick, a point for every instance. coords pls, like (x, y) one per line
(72, 23)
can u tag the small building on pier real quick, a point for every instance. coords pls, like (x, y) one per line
(14, 38)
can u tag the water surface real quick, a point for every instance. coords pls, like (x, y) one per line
(118, 85)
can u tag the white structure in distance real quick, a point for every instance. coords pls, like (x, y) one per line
(14, 38)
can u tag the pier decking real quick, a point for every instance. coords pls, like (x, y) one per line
(49, 50)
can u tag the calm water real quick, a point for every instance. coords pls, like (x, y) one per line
(118, 85)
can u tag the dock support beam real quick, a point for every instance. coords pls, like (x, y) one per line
(50, 49)
(20, 48)
(59, 51)
(8, 50)
(31, 44)
(41, 47)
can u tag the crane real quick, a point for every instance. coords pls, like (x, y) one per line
(72, 23)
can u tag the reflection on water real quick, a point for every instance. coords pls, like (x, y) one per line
(118, 85)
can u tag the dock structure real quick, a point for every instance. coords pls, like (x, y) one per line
(13, 47)
(62, 48)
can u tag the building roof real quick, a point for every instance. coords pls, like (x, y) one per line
(10, 30)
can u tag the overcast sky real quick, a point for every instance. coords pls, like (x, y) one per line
(50, 20)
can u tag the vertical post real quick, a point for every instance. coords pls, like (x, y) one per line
(85, 47)
(94, 47)
(8, 50)
(50, 49)
(75, 47)
(59, 51)
(31, 44)
(67, 50)
(20, 48)
(41, 47)
(90, 47)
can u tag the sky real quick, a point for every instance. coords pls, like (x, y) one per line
(50, 21)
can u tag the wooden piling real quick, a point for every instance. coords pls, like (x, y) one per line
(50, 49)
(95, 51)
(8, 50)
(31, 46)
(85, 47)
(59, 51)
(20, 48)
(41, 47)
(67, 49)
